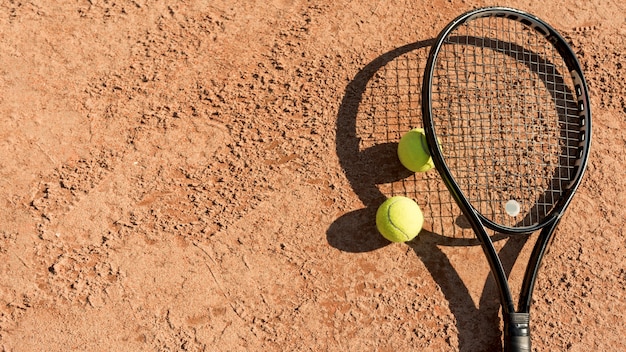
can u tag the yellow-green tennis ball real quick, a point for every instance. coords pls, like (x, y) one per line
(413, 151)
(399, 219)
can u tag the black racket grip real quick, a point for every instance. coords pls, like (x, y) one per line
(517, 332)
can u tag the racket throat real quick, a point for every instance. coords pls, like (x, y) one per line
(517, 332)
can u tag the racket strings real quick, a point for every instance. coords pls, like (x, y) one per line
(506, 118)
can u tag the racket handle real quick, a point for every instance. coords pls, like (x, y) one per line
(517, 332)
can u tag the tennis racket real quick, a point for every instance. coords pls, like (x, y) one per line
(508, 122)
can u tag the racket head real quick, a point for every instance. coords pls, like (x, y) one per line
(507, 117)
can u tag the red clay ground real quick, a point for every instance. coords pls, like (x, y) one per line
(186, 176)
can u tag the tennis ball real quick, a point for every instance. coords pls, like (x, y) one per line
(413, 151)
(399, 219)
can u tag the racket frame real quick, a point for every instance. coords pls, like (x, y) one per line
(516, 322)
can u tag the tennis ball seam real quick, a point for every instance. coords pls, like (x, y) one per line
(406, 236)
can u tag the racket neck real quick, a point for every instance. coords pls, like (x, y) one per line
(534, 263)
(497, 269)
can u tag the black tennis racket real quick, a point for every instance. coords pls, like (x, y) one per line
(507, 118)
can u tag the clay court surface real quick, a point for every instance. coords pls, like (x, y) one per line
(197, 176)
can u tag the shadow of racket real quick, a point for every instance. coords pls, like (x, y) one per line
(381, 103)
